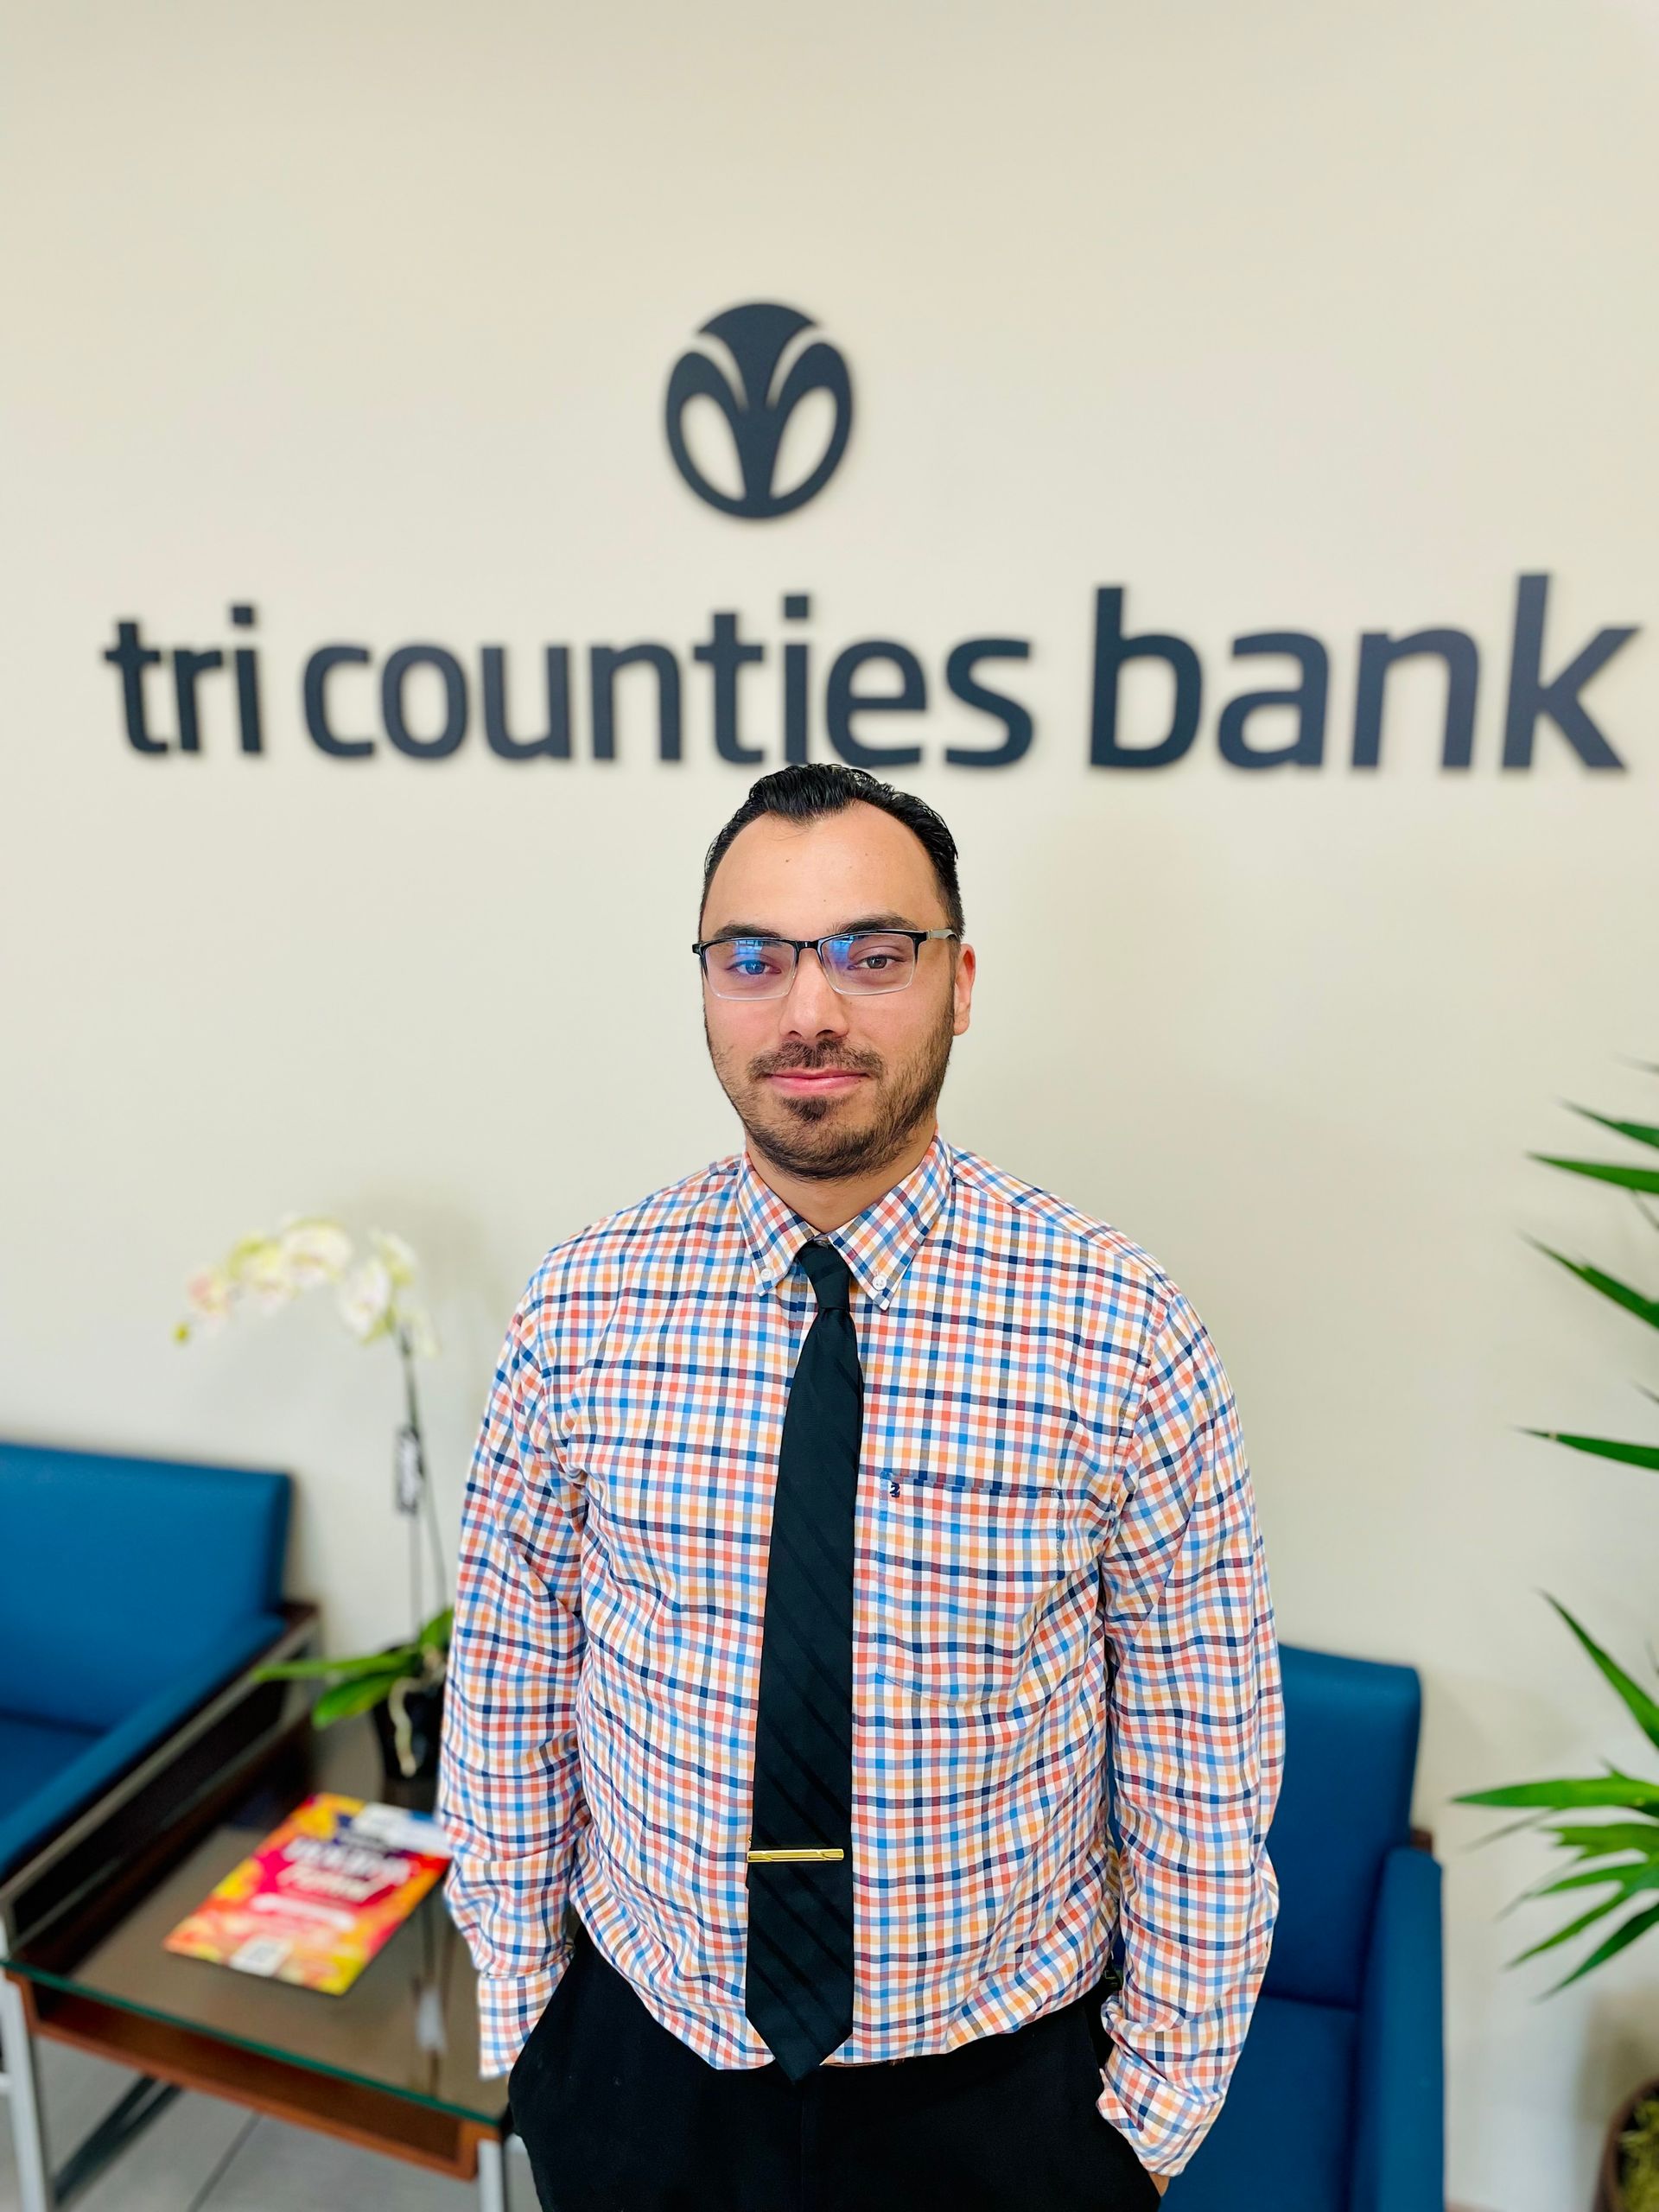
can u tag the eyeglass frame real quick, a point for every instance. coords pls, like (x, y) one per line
(800, 944)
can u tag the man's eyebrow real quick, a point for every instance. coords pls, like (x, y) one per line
(889, 920)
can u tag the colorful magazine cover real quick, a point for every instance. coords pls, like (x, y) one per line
(321, 1895)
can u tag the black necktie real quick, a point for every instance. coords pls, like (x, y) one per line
(799, 1992)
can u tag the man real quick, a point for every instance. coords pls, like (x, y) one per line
(857, 1536)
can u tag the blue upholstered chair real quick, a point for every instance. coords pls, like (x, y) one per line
(1337, 2102)
(131, 1590)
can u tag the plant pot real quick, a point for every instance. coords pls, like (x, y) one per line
(423, 1711)
(1609, 2190)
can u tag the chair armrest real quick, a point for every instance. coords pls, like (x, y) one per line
(1400, 2089)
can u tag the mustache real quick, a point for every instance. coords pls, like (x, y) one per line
(799, 1063)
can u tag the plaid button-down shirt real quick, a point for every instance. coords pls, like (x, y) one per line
(1059, 1572)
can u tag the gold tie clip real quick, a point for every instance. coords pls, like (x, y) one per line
(811, 1851)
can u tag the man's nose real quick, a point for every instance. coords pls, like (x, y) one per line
(813, 1001)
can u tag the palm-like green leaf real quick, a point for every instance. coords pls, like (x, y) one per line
(1627, 1790)
(1633, 1874)
(1566, 1935)
(1643, 1711)
(1637, 1924)
(1634, 1301)
(1611, 1835)
(436, 1634)
(1603, 1171)
(1641, 1132)
(1632, 1455)
(1627, 1880)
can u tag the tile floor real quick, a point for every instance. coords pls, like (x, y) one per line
(205, 2156)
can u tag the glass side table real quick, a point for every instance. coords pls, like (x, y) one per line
(391, 2065)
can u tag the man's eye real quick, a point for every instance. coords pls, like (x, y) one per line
(749, 960)
(875, 955)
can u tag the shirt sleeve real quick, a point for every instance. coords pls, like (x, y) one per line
(510, 1789)
(1197, 1735)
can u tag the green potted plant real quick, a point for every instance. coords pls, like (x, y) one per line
(400, 1687)
(1619, 1855)
(1629, 2169)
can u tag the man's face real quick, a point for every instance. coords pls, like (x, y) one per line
(887, 1050)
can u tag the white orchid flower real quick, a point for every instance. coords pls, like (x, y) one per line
(306, 1251)
(365, 1300)
(259, 1270)
(374, 1297)
(315, 1250)
(207, 1294)
(395, 1255)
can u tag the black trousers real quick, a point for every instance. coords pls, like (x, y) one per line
(618, 2116)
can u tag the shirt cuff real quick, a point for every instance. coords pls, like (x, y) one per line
(1154, 2118)
(508, 2005)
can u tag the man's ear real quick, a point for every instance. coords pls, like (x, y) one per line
(962, 987)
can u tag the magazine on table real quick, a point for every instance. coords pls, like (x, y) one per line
(321, 1895)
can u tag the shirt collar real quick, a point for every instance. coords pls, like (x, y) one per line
(878, 1244)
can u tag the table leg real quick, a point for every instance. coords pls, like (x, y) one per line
(35, 2189)
(492, 2177)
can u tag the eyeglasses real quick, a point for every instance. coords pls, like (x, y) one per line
(764, 967)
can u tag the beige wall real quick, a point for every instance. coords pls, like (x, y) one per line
(1279, 316)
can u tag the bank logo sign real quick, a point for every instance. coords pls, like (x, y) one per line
(757, 412)
(756, 389)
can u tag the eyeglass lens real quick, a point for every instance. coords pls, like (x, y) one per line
(764, 967)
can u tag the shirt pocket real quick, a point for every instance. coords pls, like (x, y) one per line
(979, 1585)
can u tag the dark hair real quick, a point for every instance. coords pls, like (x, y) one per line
(807, 792)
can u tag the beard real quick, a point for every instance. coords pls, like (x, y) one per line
(818, 1138)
